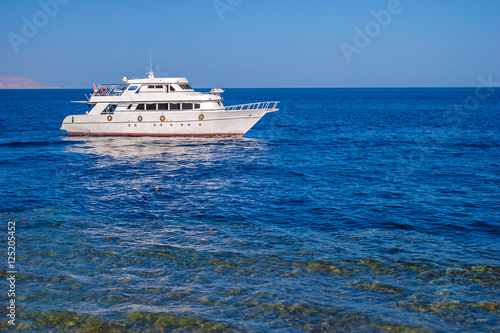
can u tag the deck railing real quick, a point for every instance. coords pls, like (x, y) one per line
(253, 106)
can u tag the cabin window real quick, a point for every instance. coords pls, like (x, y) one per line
(187, 106)
(132, 88)
(175, 106)
(172, 88)
(159, 87)
(110, 109)
(150, 106)
(197, 106)
(151, 87)
(162, 106)
(140, 107)
(129, 106)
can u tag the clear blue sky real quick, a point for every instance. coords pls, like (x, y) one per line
(253, 43)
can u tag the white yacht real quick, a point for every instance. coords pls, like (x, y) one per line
(162, 107)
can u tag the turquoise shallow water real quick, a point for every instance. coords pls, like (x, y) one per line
(348, 210)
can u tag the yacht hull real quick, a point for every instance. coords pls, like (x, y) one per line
(197, 123)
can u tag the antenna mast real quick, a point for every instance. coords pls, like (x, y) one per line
(150, 74)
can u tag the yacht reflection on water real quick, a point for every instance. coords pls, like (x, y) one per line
(174, 149)
(138, 171)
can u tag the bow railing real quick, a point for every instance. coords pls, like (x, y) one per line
(270, 106)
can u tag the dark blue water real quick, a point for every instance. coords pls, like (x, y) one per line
(348, 210)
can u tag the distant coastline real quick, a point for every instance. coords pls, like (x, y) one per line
(11, 82)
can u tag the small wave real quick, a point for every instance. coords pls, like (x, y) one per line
(481, 143)
(484, 145)
(486, 227)
(24, 144)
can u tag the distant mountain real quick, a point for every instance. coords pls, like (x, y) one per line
(10, 82)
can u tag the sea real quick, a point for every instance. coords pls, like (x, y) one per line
(348, 210)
